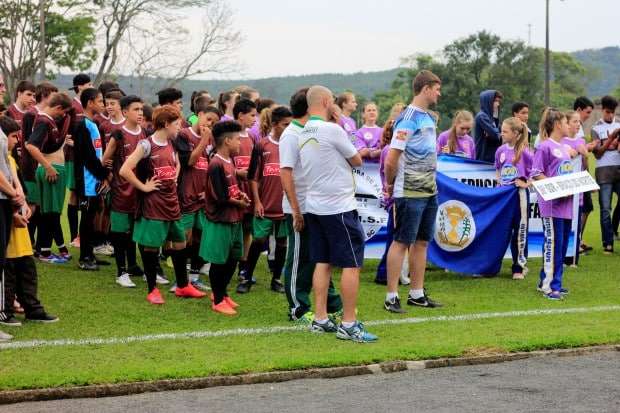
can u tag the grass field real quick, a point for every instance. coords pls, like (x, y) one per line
(91, 305)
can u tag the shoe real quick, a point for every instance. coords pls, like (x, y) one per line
(124, 281)
(424, 301)
(276, 286)
(231, 303)
(518, 276)
(11, 321)
(109, 248)
(76, 242)
(554, 295)
(356, 333)
(102, 250)
(5, 337)
(393, 306)
(244, 287)
(65, 255)
(88, 265)
(241, 275)
(326, 327)
(563, 291)
(189, 292)
(305, 320)
(336, 316)
(173, 289)
(154, 297)
(52, 259)
(223, 307)
(200, 285)
(42, 317)
(162, 280)
(608, 250)
(135, 270)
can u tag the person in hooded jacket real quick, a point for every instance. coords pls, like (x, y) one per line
(487, 132)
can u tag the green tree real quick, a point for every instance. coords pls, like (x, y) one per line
(69, 38)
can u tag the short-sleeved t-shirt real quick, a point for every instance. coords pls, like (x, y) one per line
(607, 167)
(348, 124)
(465, 145)
(265, 170)
(553, 159)
(163, 204)
(221, 187)
(107, 127)
(242, 163)
(508, 169)
(124, 195)
(415, 135)
(90, 181)
(368, 137)
(324, 150)
(289, 158)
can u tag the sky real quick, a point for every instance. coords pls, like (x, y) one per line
(297, 37)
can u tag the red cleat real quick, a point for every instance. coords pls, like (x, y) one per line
(154, 297)
(230, 302)
(189, 291)
(223, 308)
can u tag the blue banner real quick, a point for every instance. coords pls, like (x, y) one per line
(473, 226)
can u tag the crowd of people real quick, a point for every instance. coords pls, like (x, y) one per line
(244, 175)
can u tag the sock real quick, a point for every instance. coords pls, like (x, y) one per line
(149, 258)
(242, 266)
(348, 324)
(321, 321)
(256, 248)
(216, 276)
(280, 258)
(130, 251)
(391, 296)
(415, 294)
(119, 242)
(179, 261)
(33, 224)
(228, 274)
(72, 215)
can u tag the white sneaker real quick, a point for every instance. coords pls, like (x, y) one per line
(173, 288)
(160, 279)
(102, 250)
(5, 337)
(109, 248)
(125, 281)
(205, 269)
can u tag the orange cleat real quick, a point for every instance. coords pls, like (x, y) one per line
(223, 308)
(189, 291)
(154, 297)
(230, 302)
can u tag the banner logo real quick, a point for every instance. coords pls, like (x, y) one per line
(456, 228)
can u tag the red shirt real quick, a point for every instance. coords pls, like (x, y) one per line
(242, 162)
(265, 170)
(106, 128)
(77, 115)
(221, 187)
(193, 179)
(124, 195)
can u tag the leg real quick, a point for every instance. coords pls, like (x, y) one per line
(179, 262)
(605, 204)
(72, 216)
(560, 230)
(88, 208)
(119, 242)
(382, 268)
(395, 257)
(417, 263)
(27, 286)
(349, 286)
(279, 257)
(150, 256)
(6, 222)
(320, 283)
(549, 247)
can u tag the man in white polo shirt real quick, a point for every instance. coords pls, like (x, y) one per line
(336, 236)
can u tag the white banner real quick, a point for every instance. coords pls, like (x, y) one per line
(564, 185)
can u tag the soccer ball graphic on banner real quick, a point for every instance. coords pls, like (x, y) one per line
(455, 228)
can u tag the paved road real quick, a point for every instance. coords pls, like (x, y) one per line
(554, 384)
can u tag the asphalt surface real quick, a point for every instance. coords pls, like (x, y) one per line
(588, 383)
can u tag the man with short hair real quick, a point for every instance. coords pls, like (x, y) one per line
(410, 174)
(336, 235)
(584, 107)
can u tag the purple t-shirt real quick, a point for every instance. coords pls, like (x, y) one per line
(552, 159)
(575, 143)
(226, 118)
(510, 170)
(254, 132)
(387, 201)
(368, 137)
(465, 146)
(348, 124)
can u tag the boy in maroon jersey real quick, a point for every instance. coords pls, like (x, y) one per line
(159, 223)
(115, 116)
(225, 203)
(122, 143)
(105, 88)
(264, 176)
(245, 114)
(172, 97)
(24, 100)
(193, 145)
(45, 145)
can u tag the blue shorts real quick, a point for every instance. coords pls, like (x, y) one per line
(336, 239)
(414, 219)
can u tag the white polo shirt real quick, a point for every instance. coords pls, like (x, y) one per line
(289, 158)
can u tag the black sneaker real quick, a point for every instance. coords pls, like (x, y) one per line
(326, 327)
(424, 301)
(11, 321)
(42, 318)
(393, 306)
(88, 265)
(135, 271)
(244, 287)
(276, 286)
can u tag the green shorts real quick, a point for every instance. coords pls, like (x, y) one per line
(51, 195)
(154, 233)
(121, 222)
(264, 227)
(32, 196)
(221, 242)
(70, 175)
(193, 220)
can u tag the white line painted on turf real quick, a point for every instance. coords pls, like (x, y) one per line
(288, 329)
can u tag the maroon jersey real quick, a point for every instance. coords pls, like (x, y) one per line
(265, 170)
(163, 204)
(124, 195)
(99, 118)
(242, 162)
(17, 115)
(222, 186)
(27, 164)
(106, 128)
(77, 116)
(49, 134)
(193, 179)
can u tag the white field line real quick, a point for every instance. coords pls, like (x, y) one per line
(288, 329)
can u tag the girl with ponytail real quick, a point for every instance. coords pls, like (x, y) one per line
(456, 140)
(513, 165)
(225, 103)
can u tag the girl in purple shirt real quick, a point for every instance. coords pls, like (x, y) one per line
(347, 103)
(552, 158)
(456, 140)
(513, 163)
(225, 103)
(368, 137)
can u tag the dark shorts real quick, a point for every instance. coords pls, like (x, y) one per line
(588, 206)
(414, 219)
(336, 239)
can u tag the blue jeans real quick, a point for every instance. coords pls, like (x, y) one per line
(604, 199)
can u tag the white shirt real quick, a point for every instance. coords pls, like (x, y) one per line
(601, 131)
(289, 158)
(324, 148)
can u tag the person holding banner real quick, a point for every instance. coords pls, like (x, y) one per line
(552, 158)
(456, 140)
(513, 163)
(412, 181)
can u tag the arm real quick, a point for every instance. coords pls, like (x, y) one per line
(36, 139)
(127, 172)
(488, 126)
(219, 185)
(355, 160)
(288, 184)
(84, 145)
(601, 147)
(205, 139)
(110, 150)
(391, 166)
(254, 175)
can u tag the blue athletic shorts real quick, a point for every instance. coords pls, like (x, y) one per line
(336, 239)
(414, 219)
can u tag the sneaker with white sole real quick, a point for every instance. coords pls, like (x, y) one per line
(5, 337)
(103, 249)
(200, 285)
(160, 279)
(356, 333)
(124, 281)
